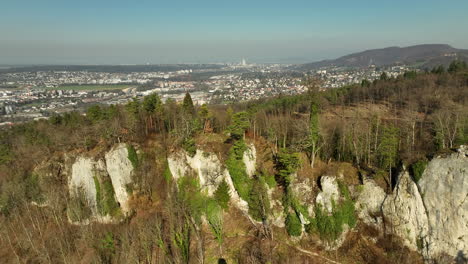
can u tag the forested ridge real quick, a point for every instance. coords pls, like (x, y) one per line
(370, 129)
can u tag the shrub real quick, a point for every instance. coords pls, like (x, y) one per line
(240, 123)
(189, 146)
(259, 203)
(237, 169)
(214, 216)
(189, 195)
(417, 169)
(293, 224)
(269, 180)
(330, 226)
(221, 195)
(167, 173)
(105, 198)
(286, 164)
(132, 155)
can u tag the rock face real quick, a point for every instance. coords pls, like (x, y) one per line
(405, 212)
(444, 188)
(369, 202)
(209, 170)
(330, 192)
(250, 160)
(304, 192)
(86, 173)
(120, 171)
(432, 216)
(82, 180)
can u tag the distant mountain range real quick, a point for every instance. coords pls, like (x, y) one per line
(419, 56)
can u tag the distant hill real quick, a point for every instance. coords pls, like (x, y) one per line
(420, 56)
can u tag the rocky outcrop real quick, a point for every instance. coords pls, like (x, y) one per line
(304, 192)
(405, 213)
(209, 170)
(82, 182)
(250, 160)
(120, 170)
(369, 203)
(432, 215)
(330, 193)
(103, 183)
(444, 188)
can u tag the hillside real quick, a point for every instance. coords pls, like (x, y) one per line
(421, 56)
(357, 174)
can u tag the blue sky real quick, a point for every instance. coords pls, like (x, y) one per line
(137, 32)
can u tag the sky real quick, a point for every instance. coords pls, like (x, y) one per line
(179, 31)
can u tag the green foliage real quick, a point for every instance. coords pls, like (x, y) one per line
(410, 75)
(105, 197)
(269, 180)
(259, 204)
(365, 83)
(214, 216)
(457, 66)
(384, 76)
(6, 154)
(237, 169)
(240, 123)
(417, 169)
(133, 108)
(438, 70)
(106, 248)
(94, 113)
(388, 147)
(152, 103)
(187, 105)
(293, 224)
(286, 163)
(167, 173)
(189, 145)
(190, 196)
(132, 156)
(330, 226)
(221, 195)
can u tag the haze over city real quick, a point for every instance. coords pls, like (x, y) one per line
(124, 32)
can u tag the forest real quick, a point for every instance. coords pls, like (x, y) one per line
(375, 128)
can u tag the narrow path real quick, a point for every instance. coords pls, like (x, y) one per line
(313, 254)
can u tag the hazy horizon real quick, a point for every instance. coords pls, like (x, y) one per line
(119, 32)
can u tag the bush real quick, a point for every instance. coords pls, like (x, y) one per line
(189, 146)
(269, 180)
(330, 226)
(167, 173)
(105, 198)
(286, 164)
(293, 224)
(132, 155)
(214, 216)
(259, 203)
(221, 195)
(237, 169)
(417, 169)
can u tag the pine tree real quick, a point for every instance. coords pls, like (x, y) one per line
(187, 105)
(314, 132)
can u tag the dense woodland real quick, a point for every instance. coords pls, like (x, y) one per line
(376, 126)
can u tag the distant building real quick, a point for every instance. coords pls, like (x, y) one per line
(243, 62)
